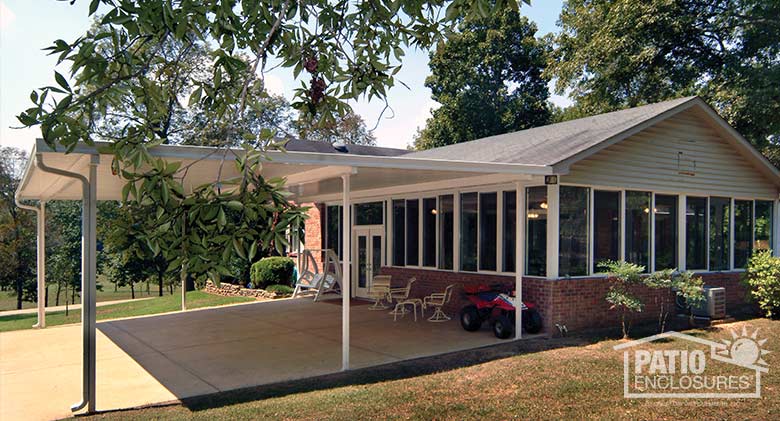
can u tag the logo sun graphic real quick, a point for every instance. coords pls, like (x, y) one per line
(745, 349)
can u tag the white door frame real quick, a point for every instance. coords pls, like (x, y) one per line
(369, 231)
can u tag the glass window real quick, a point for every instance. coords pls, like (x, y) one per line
(638, 228)
(719, 233)
(606, 226)
(510, 230)
(446, 226)
(573, 231)
(488, 230)
(369, 213)
(333, 229)
(412, 232)
(399, 231)
(743, 232)
(665, 213)
(696, 232)
(429, 231)
(468, 231)
(536, 231)
(763, 225)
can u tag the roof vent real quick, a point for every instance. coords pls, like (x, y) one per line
(340, 147)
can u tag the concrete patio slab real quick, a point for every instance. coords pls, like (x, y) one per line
(153, 359)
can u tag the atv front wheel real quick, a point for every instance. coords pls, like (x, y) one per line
(503, 327)
(470, 318)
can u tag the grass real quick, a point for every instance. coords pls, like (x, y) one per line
(564, 378)
(166, 303)
(8, 298)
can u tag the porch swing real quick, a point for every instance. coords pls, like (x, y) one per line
(320, 276)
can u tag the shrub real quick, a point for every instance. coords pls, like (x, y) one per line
(272, 270)
(622, 276)
(762, 278)
(280, 289)
(684, 284)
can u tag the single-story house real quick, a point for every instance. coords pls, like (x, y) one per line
(667, 185)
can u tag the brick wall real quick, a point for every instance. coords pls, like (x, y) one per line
(577, 303)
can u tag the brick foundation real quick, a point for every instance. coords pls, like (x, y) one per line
(577, 303)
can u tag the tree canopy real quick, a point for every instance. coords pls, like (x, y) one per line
(613, 54)
(488, 78)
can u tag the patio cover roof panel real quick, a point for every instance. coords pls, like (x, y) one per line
(210, 164)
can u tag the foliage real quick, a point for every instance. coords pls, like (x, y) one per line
(623, 276)
(272, 270)
(63, 248)
(613, 54)
(762, 277)
(349, 128)
(132, 72)
(685, 285)
(280, 289)
(488, 80)
(17, 232)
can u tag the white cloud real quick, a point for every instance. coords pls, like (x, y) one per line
(7, 16)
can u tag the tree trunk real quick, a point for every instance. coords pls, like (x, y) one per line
(160, 283)
(57, 299)
(19, 284)
(132, 291)
(46, 299)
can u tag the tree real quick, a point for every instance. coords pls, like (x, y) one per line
(349, 128)
(63, 248)
(614, 54)
(17, 231)
(488, 80)
(348, 50)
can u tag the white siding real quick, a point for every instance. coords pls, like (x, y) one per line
(663, 157)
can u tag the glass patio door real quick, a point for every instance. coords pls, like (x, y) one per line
(368, 252)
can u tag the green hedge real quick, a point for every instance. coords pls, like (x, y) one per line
(272, 270)
(280, 289)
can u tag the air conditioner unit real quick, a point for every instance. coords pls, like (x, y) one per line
(714, 304)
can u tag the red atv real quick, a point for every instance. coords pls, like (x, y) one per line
(496, 303)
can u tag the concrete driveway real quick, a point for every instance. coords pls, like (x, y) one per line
(161, 358)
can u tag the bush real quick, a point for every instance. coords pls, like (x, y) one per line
(762, 278)
(623, 276)
(272, 270)
(280, 289)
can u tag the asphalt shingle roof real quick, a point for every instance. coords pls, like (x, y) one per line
(551, 144)
(296, 145)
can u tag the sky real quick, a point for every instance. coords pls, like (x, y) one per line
(27, 26)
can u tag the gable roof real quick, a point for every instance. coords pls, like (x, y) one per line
(561, 144)
(554, 143)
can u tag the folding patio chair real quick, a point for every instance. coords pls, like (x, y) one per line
(401, 297)
(437, 300)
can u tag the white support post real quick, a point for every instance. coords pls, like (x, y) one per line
(553, 211)
(651, 237)
(731, 234)
(41, 266)
(89, 291)
(345, 274)
(682, 241)
(519, 257)
(776, 227)
(88, 274)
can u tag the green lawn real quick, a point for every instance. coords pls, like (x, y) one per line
(8, 299)
(564, 378)
(166, 303)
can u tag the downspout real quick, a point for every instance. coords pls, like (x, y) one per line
(41, 256)
(88, 272)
